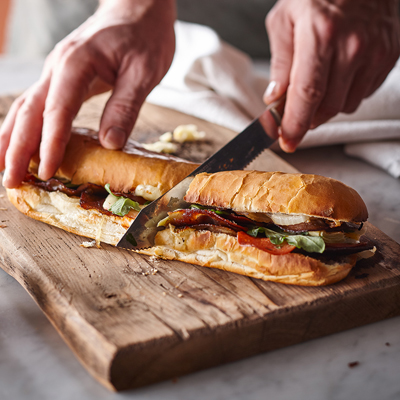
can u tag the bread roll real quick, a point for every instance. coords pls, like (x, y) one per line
(85, 160)
(273, 192)
(218, 250)
(254, 193)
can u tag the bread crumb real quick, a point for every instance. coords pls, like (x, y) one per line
(88, 244)
(3, 209)
(180, 295)
(353, 364)
(164, 293)
(3, 226)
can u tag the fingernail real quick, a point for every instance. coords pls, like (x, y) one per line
(5, 178)
(270, 91)
(115, 138)
(41, 172)
(287, 145)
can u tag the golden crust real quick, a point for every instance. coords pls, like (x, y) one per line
(62, 211)
(273, 192)
(222, 251)
(86, 160)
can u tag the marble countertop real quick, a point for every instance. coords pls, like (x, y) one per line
(360, 363)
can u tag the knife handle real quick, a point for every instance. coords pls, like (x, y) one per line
(271, 118)
(276, 109)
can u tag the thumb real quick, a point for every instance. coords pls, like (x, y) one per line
(121, 111)
(280, 33)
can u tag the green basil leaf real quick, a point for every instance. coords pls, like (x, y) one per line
(107, 187)
(218, 212)
(264, 231)
(311, 244)
(277, 239)
(123, 205)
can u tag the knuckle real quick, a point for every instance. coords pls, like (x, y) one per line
(125, 111)
(59, 112)
(298, 127)
(271, 19)
(279, 62)
(327, 29)
(356, 45)
(310, 93)
(30, 105)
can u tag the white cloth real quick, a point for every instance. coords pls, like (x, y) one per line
(212, 80)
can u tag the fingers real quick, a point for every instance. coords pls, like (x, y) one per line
(346, 62)
(7, 128)
(23, 133)
(121, 111)
(280, 32)
(70, 83)
(308, 82)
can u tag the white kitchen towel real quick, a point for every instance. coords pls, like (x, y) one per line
(212, 80)
(377, 153)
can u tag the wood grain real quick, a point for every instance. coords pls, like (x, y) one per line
(132, 320)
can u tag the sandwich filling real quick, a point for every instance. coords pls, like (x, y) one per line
(102, 199)
(275, 234)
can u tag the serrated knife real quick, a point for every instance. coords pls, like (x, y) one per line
(235, 155)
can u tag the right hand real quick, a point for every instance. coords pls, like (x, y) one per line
(127, 45)
(328, 55)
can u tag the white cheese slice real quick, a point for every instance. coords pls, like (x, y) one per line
(148, 192)
(288, 219)
(109, 201)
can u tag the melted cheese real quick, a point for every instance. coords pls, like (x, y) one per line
(109, 201)
(187, 133)
(161, 147)
(148, 192)
(288, 219)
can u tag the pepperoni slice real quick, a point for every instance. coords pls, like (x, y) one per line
(189, 217)
(264, 244)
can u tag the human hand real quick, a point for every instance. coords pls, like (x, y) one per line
(329, 55)
(127, 45)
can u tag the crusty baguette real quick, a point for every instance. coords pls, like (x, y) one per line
(86, 160)
(272, 192)
(218, 250)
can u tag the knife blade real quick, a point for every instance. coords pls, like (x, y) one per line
(236, 154)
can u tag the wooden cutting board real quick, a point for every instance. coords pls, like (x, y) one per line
(132, 320)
